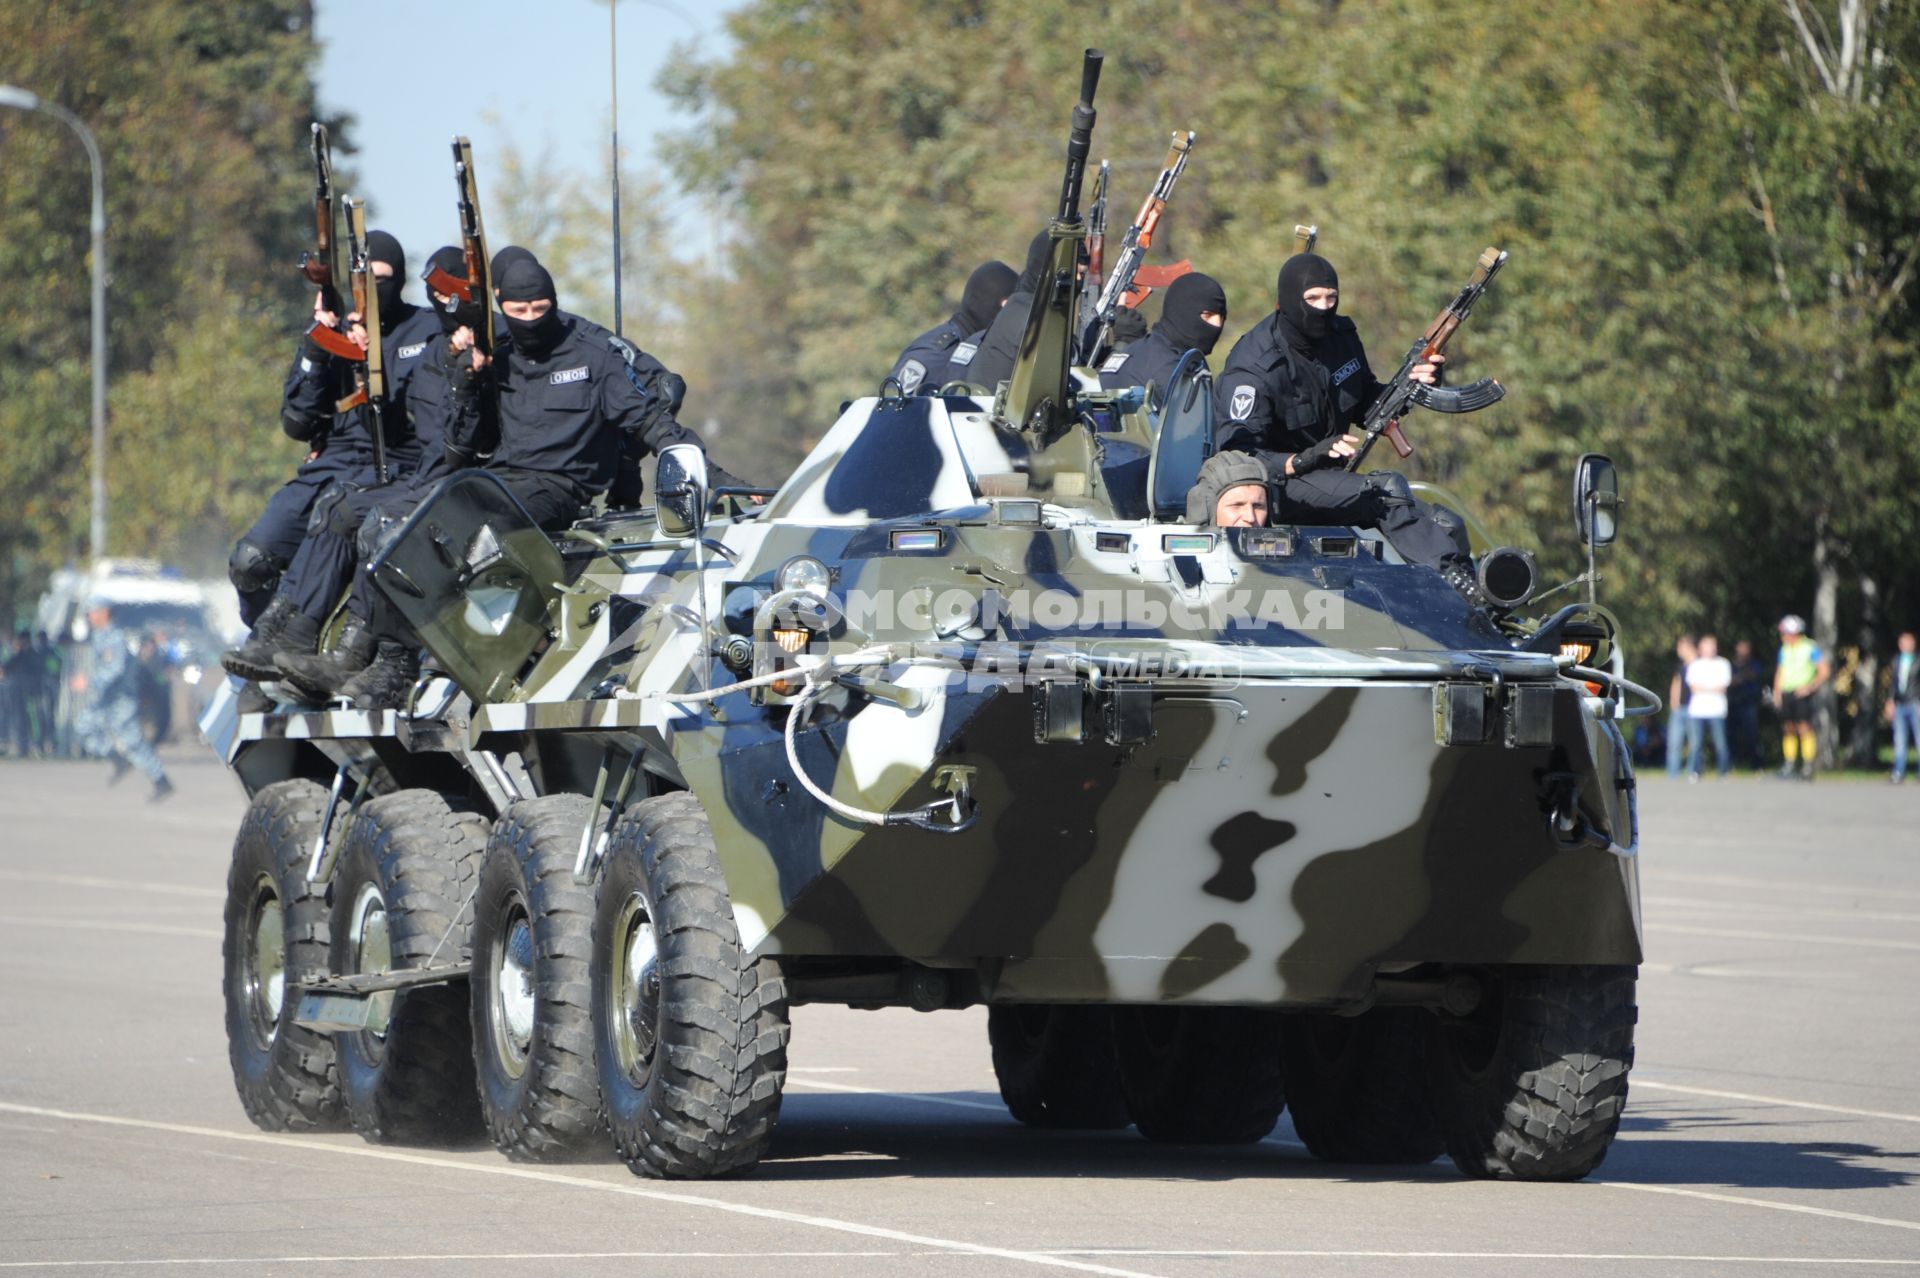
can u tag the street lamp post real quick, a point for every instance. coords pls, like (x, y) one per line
(11, 96)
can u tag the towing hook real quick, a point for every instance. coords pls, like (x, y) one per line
(950, 815)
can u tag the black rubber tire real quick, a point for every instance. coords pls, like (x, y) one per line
(1055, 1065)
(421, 852)
(285, 1075)
(1357, 1086)
(690, 1076)
(1532, 1086)
(540, 1100)
(1201, 1075)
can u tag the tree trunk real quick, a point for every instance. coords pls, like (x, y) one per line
(1825, 625)
(1862, 738)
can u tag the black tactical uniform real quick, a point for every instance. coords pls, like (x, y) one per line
(1153, 358)
(992, 363)
(567, 397)
(262, 561)
(919, 368)
(1292, 386)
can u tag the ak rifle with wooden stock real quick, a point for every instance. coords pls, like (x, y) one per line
(477, 289)
(323, 264)
(369, 365)
(1133, 251)
(1402, 394)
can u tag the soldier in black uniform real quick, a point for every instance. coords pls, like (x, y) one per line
(341, 463)
(324, 566)
(919, 366)
(1290, 390)
(563, 402)
(992, 363)
(1191, 316)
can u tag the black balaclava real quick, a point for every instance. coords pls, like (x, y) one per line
(457, 313)
(382, 247)
(1305, 325)
(1180, 321)
(502, 259)
(1037, 254)
(987, 289)
(527, 281)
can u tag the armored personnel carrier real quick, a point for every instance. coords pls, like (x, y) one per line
(1213, 820)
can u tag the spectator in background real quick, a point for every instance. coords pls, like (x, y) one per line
(1743, 705)
(19, 685)
(1803, 668)
(1683, 655)
(1903, 704)
(47, 710)
(1709, 675)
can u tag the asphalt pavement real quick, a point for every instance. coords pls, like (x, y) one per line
(1773, 1124)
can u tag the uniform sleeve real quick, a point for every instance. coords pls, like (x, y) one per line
(308, 397)
(1243, 414)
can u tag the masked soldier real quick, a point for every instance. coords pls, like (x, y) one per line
(919, 367)
(341, 461)
(1191, 317)
(1290, 391)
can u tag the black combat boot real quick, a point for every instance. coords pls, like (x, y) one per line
(252, 699)
(281, 628)
(322, 674)
(386, 683)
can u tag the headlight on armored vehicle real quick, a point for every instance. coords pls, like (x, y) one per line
(804, 572)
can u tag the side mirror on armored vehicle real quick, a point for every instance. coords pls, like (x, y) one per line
(1596, 499)
(680, 490)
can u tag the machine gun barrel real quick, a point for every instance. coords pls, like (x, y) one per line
(1080, 136)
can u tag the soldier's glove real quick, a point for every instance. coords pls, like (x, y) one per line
(1129, 326)
(1317, 457)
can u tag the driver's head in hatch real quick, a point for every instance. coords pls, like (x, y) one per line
(1231, 491)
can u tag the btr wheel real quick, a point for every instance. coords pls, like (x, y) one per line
(1055, 1065)
(275, 933)
(1531, 1086)
(1207, 1075)
(402, 899)
(532, 1023)
(1357, 1086)
(690, 1032)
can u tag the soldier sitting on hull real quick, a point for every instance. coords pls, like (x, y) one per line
(1231, 492)
(1290, 390)
(341, 461)
(1191, 317)
(561, 404)
(921, 365)
(992, 363)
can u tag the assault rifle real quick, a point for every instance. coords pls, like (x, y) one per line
(478, 286)
(369, 365)
(1133, 251)
(1096, 246)
(1402, 394)
(322, 264)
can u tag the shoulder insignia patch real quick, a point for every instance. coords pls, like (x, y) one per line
(912, 373)
(623, 348)
(1115, 362)
(1240, 407)
(566, 375)
(1345, 371)
(963, 353)
(408, 352)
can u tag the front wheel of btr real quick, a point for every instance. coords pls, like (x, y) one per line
(690, 1033)
(275, 934)
(1207, 1075)
(402, 898)
(532, 1027)
(1532, 1085)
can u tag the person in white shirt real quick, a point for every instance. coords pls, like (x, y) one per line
(1708, 677)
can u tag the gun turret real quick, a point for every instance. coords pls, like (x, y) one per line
(1038, 398)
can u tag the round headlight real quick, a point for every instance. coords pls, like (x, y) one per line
(804, 572)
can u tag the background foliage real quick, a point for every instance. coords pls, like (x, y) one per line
(1713, 208)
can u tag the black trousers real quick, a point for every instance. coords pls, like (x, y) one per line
(1422, 533)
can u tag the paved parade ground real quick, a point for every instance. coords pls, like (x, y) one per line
(1774, 1124)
